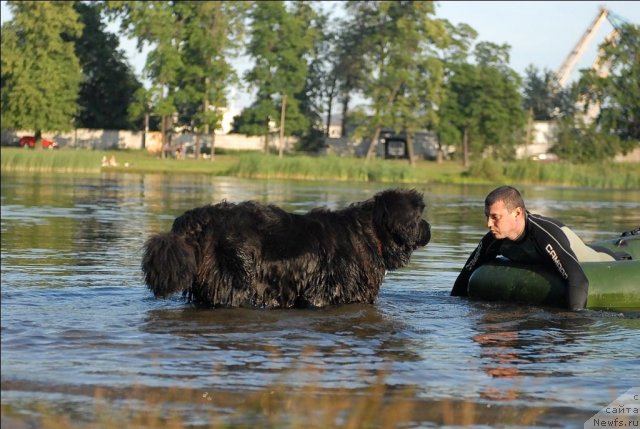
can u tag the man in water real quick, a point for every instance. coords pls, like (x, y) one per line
(530, 238)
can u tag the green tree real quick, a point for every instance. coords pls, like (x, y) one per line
(452, 120)
(211, 36)
(40, 71)
(109, 84)
(482, 112)
(349, 67)
(457, 120)
(461, 38)
(322, 81)
(420, 69)
(281, 42)
(580, 142)
(321, 85)
(544, 96)
(398, 42)
(157, 24)
(141, 109)
(501, 116)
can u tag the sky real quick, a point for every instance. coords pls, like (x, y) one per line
(542, 33)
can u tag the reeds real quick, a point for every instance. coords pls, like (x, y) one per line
(90, 161)
(302, 167)
(51, 161)
(607, 175)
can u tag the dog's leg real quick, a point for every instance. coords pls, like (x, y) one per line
(226, 274)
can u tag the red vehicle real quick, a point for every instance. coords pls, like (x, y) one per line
(30, 141)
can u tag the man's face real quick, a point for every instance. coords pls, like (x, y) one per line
(502, 223)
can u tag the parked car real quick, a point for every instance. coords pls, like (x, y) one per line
(30, 141)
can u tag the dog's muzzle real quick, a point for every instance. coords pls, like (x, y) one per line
(425, 233)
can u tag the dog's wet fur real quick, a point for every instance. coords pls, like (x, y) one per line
(254, 255)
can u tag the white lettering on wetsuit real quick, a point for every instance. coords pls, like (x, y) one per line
(473, 261)
(556, 261)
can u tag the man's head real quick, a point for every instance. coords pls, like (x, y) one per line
(505, 212)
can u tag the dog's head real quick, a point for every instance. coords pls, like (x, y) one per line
(397, 217)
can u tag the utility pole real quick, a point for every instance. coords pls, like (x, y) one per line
(282, 113)
(146, 125)
(529, 137)
(465, 147)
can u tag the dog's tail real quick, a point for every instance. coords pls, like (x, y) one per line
(169, 264)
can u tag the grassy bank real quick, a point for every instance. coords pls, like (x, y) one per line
(324, 168)
(258, 166)
(299, 167)
(606, 175)
(59, 161)
(90, 161)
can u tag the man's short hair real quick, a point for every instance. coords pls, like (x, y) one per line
(507, 194)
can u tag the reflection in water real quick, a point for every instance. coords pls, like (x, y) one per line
(284, 343)
(525, 344)
(502, 353)
(76, 316)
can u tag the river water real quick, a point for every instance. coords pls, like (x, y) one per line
(79, 327)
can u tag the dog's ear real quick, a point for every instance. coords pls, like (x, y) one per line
(398, 207)
(397, 218)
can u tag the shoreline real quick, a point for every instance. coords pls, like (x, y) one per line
(259, 166)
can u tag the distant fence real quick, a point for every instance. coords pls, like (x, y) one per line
(83, 138)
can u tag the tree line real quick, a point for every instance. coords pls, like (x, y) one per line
(61, 69)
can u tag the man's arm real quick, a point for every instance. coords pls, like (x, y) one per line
(556, 247)
(478, 257)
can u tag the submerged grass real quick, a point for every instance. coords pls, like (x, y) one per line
(302, 167)
(277, 406)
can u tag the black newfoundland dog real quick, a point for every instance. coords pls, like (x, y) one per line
(254, 255)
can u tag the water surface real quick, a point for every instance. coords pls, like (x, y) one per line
(76, 317)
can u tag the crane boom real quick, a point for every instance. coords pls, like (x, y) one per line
(599, 65)
(564, 72)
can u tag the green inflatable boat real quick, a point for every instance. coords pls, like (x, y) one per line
(612, 285)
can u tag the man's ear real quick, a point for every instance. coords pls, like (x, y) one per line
(517, 211)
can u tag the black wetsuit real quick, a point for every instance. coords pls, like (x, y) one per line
(543, 241)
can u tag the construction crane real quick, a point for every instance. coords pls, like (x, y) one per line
(564, 72)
